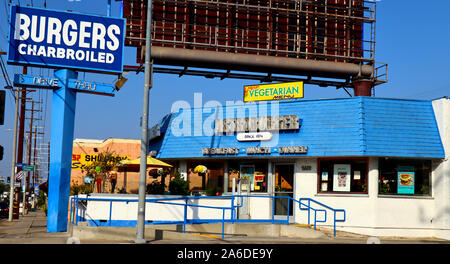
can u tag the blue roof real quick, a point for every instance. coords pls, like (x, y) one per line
(358, 126)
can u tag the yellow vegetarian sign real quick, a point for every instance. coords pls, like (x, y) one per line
(276, 91)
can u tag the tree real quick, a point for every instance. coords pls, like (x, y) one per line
(101, 167)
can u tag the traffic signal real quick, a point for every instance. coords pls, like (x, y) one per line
(8, 180)
(2, 106)
(1, 152)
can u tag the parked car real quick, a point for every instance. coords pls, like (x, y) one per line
(4, 210)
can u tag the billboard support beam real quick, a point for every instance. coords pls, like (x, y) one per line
(362, 87)
(257, 63)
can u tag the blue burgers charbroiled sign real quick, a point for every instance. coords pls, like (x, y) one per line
(43, 37)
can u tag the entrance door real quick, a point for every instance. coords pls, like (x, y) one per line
(245, 186)
(284, 186)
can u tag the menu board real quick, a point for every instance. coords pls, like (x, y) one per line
(341, 177)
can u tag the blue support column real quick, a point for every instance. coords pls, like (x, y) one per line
(63, 120)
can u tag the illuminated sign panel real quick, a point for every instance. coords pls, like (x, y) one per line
(43, 37)
(276, 91)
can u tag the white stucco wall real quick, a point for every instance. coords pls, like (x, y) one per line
(374, 214)
(441, 180)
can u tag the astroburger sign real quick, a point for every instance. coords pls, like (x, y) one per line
(276, 91)
(49, 38)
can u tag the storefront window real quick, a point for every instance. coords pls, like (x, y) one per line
(343, 175)
(253, 173)
(210, 182)
(404, 177)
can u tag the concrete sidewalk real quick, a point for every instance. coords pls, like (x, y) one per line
(29, 229)
(32, 229)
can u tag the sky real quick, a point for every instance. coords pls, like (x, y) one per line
(412, 37)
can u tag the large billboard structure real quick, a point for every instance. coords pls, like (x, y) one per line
(316, 39)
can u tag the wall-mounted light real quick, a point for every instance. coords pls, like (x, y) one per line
(120, 82)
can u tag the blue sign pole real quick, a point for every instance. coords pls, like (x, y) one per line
(63, 120)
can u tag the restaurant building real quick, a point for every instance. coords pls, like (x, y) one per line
(384, 161)
(86, 151)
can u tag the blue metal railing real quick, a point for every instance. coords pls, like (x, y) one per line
(309, 208)
(303, 203)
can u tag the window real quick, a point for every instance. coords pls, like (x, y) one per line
(404, 177)
(254, 172)
(343, 175)
(210, 182)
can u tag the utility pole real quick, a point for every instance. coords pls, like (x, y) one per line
(140, 236)
(13, 162)
(36, 166)
(29, 148)
(18, 146)
(21, 121)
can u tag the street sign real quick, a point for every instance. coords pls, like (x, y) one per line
(21, 164)
(28, 168)
(58, 39)
(19, 175)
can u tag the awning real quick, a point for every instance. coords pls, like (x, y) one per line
(150, 162)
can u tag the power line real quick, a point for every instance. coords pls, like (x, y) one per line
(6, 76)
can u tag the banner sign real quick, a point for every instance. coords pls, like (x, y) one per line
(405, 180)
(276, 91)
(57, 39)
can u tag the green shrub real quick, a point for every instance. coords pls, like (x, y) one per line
(42, 201)
(76, 189)
(155, 188)
(179, 186)
(213, 190)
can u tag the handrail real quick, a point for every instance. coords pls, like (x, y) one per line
(315, 210)
(303, 203)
